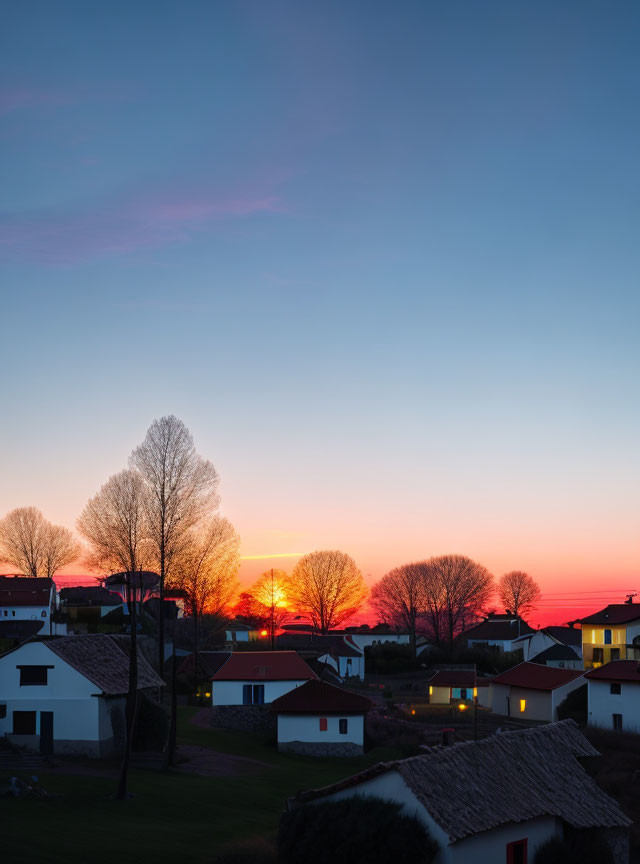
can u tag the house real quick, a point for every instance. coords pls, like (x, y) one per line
(24, 598)
(459, 684)
(496, 631)
(67, 694)
(614, 696)
(560, 656)
(531, 691)
(334, 649)
(382, 634)
(258, 677)
(611, 634)
(494, 800)
(319, 719)
(237, 632)
(84, 606)
(538, 641)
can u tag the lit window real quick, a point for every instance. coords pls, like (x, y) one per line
(430, 691)
(523, 705)
(475, 692)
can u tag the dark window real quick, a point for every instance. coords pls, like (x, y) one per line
(323, 724)
(616, 688)
(253, 694)
(607, 637)
(342, 726)
(615, 653)
(617, 722)
(3, 711)
(33, 675)
(24, 722)
(517, 852)
(13, 612)
(598, 655)
(44, 613)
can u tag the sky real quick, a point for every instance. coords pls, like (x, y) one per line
(381, 258)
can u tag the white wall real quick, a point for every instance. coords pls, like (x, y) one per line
(603, 704)
(489, 846)
(306, 727)
(439, 695)
(24, 613)
(70, 695)
(540, 704)
(230, 692)
(352, 667)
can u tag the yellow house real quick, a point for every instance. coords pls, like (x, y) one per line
(611, 634)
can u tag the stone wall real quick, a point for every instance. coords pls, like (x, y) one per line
(320, 749)
(250, 718)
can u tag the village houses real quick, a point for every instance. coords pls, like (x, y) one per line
(614, 696)
(613, 633)
(258, 677)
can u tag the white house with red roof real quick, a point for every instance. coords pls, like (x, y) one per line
(23, 598)
(501, 632)
(531, 691)
(321, 719)
(614, 696)
(258, 677)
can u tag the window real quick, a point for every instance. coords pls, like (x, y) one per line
(33, 675)
(616, 689)
(615, 653)
(517, 852)
(430, 691)
(598, 655)
(13, 612)
(3, 712)
(342, 726)
(323, 724)
(24, 722)
(617, 722)
(253, 694)
(523, 706)
(607, 637)
(44, 613)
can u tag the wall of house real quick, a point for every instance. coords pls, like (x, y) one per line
(538, 704)
(70, 696)
(603, 704)
(498, 698)
(560, 694)
(351, 667)
(489, 846)
(484, 697)
(439, 695)
(362, 640)
(230, 692)
(565, 664)
(24, 613)
(502, 644)
(535, 644)
(306, 727)
(621, 636)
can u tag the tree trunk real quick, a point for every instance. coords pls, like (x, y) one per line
(161, 613)
(174, 711)
(132, 695)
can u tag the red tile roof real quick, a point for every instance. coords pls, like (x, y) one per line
(318, 697)
(534, 676)
(24, 591)
(453, 678)
(264, 666)
(617, 670)
(616, 613)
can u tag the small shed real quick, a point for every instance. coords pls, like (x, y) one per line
(320, 719)
(531, 691)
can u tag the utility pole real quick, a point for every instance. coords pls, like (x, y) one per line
(273, 615)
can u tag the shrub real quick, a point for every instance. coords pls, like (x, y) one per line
(389, 659)
(354, 829)
(152, 725)
(575, 706)
(583, 847)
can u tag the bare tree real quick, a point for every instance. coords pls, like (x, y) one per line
(328, 587)
(182, 490)
(270, 593)
(455, 590)
(397, 597)
(518, 592)
(33, 545)
(113, 523)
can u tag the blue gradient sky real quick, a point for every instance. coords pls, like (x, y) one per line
(382, 258)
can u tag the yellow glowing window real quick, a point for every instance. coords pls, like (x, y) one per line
(523, 705)
(430, 691)
(475, 692)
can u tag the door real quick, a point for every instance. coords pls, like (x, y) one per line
(46, 732)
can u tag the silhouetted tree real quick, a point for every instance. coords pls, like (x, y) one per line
(271, 595)
(328, 587)
(518, 592)
(397, 597)
(34, 546)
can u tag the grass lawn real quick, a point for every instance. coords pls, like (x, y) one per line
(172, 817)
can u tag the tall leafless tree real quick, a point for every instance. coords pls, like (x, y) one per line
(182, 490)
(397, 597)
(328, 587)
(34, 546)
(518, 592)
(270, 593)
(114, 525)
(455, 590)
